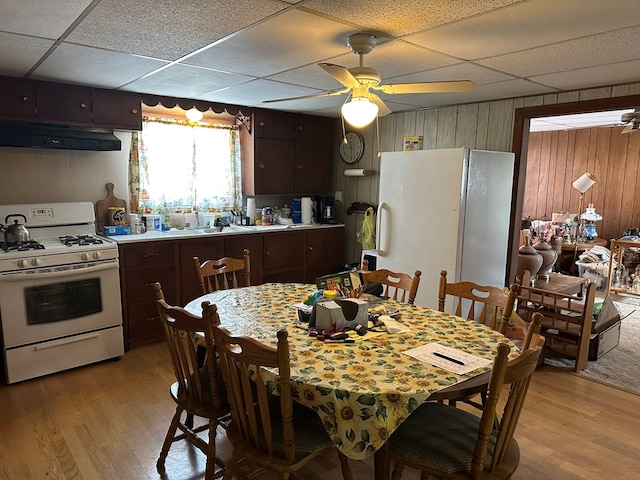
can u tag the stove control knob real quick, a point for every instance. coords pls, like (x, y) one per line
(35, 262)
(97, 255)
(23, 263)
(86, 256)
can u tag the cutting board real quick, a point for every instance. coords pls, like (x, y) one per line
(102, 207)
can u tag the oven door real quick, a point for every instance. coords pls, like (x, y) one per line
(44, 304)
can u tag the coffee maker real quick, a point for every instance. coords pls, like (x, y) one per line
(324, 210)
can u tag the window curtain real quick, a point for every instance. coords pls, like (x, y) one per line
(182, 165)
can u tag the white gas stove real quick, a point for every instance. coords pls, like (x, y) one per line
(59, 291)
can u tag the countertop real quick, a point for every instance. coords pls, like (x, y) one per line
(174, 234)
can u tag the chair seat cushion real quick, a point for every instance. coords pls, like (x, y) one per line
(439, 437)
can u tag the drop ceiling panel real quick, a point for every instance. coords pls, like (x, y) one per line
(288, 40)
(576, 79)
(254, 92)
(48, 19)
(166, 29)
(185, 81)
(525, 26)
(19, 53)
(460, 71)
(402, 17)
(602, 49)
(93, 66)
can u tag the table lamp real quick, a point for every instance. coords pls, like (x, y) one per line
(582, 184)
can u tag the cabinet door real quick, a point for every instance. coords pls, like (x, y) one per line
(313, 129)
(273, 167)
(203, 249)
(234, 246)
(312, 172)
(117, 109)
(18, 99)
(57, 102)
(284, 256)
(274, 124)
(325, 252)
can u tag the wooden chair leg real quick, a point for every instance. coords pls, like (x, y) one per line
(231, 466)
(397, 471)
(345, 467)
(168, 440)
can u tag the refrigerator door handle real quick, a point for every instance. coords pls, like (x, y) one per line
(379, 232)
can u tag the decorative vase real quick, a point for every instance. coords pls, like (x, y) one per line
(549, 257)
(528, 259)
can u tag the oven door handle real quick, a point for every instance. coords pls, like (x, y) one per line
(67, 341)
(57, 274)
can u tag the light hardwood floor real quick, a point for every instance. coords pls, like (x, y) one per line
(107, 421)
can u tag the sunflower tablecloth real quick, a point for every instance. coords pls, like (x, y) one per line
(362, 390)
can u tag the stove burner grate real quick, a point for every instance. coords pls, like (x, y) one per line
(70, 240)
(21, 246)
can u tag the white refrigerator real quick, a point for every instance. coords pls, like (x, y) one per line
(445, 209)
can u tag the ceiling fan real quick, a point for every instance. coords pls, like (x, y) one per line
(360, 81)
(632, 120)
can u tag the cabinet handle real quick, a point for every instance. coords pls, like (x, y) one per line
(300, 128)
(83, 105)
(261, 165)
(151, 319)
(261, 124)
(157, 254)
(25, 99)
(311, 249)
(299, 167)
(267, 253)
(135, 110)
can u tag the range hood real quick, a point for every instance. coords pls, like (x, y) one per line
(64, 137)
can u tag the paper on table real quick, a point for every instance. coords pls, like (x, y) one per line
(427, 353)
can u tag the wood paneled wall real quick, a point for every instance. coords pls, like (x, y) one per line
(488, 125)
(555, 159)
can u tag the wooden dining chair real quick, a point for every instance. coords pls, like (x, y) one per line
(567, 320)
(451, 443)
(468, 390)
(197, 390)
(268, 430)
(223, 273)
(398, 286)
(484, 304)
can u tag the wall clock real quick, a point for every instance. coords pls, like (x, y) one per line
(351, 151)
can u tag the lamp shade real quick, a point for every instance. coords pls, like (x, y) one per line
(585, 182)
(359, 112)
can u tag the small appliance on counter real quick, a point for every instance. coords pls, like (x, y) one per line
(324, 209)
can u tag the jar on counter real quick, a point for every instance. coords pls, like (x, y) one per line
(267, 216)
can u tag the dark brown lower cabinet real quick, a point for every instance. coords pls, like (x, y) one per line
(284, 256)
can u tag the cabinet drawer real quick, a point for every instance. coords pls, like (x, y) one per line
(146, 254)
(139, 283)
(144, 322)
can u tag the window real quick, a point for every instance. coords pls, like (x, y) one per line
(181, 165)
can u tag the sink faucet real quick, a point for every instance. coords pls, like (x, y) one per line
(197, 217)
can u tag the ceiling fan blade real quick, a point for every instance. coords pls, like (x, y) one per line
(341, 74)
(382, 107)
(317, 95)
(427, 87)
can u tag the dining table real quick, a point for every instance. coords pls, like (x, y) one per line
(362, 390)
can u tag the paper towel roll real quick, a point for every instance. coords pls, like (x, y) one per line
(251, 209)
(306, 210)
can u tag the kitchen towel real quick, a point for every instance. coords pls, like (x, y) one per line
(251, 209)
(306, 210)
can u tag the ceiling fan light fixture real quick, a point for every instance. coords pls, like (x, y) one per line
(359, 112)
(194, 115)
